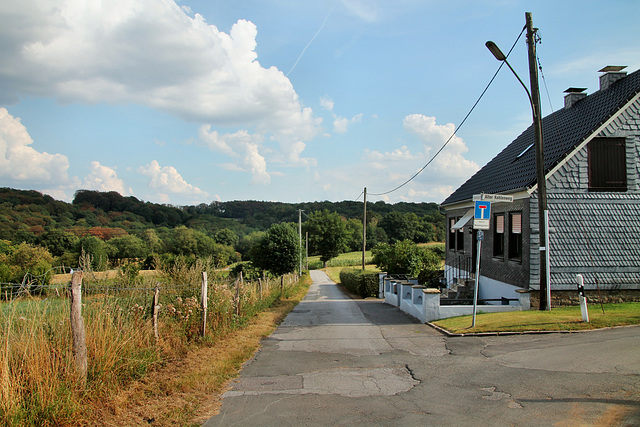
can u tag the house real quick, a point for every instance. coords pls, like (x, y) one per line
(592, 169)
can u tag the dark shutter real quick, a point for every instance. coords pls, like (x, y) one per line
(607, 164)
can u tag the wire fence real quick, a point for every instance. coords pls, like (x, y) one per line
(190, 307)
(91, 333)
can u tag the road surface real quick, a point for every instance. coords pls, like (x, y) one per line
(337, 361)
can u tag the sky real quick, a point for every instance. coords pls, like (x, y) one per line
(194, 101)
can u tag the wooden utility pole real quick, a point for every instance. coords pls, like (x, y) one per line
(300, 236)
(545, 303)
(364, 228)
(306, 249)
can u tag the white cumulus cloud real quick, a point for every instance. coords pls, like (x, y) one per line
(341, 124)
(240, 144)
(168, 182)
(154, 53)
(451, 162)
(104, 178)
(21, 164)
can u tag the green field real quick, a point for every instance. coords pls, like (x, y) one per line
(349, 259)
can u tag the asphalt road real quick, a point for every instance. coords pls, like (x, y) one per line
(337, 361)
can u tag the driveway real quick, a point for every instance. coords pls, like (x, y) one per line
(337, 361)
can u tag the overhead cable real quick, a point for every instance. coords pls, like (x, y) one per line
(457, 128)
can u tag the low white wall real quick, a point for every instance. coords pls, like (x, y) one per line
(494, 289)
(424, 304)
(463, 310)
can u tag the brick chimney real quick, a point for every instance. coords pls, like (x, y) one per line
(573, 95)
(612, 73)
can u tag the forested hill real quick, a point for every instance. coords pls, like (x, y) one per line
(28, 213)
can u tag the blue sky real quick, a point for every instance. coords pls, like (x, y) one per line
(194, 101)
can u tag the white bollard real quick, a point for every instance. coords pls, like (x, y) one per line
(583, 298)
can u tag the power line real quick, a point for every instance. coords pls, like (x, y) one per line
(457, 128)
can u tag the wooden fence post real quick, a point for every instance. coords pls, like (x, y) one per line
(78, 334)
(237, 298)
(154, 311)
(203, 302)
(260, 286)
(281, 283)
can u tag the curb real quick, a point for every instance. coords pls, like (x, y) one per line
(495, 334)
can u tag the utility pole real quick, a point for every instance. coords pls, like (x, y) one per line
(364, 228)
(306, 252)
(545, 299)
(300, 236)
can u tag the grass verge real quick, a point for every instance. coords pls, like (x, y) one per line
(558, 319)
(187, 392)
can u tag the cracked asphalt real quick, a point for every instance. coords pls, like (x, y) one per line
(337, 361)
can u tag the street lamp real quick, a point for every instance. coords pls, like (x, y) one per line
(534, 100)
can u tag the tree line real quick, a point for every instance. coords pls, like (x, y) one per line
(114, 229)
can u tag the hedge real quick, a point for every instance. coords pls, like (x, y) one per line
(361, 282)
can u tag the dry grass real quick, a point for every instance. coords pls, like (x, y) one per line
(187, 392)
(126, 369)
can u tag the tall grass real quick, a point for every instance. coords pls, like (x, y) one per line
(38, 380)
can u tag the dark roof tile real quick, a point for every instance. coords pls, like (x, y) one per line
(562, 131)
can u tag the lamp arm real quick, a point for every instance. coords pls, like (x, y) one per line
(523, 85)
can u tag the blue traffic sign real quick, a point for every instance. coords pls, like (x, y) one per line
(482, 210)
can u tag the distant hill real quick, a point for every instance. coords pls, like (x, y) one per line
(25, 214)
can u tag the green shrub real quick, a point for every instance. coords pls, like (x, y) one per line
(248, 270)
(406, 258)
(361, 282)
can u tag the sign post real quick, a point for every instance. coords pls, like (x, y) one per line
(481, 221)
(475, 290)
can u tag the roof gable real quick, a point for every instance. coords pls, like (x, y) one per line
(514, 168)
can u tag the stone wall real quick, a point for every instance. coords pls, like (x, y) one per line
(569, 298)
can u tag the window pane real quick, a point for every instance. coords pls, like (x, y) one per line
(516, 223)
(452, 234)
(498, 236)
(515, 236)
(499, 223)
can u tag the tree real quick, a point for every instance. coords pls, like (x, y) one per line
(18, 260)
(405, 258)
(353, 230)
(58, 241)
(95, 248)
(399, 226)
(127, 247)
(327, 234)
(247, 242)
(277, 251)
(184, 241)
(153, 241)
(225, 236)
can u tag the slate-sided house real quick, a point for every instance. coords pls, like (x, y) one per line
(592, 167)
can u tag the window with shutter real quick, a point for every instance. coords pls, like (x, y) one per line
(498, 235)
(515, 236)
(452, 234)
(607, 164)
